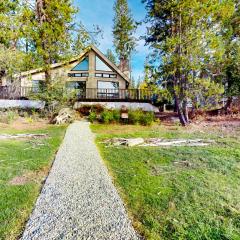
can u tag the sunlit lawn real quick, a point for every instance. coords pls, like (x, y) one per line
(177, 192)
(24, 165)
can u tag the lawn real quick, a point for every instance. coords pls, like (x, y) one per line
(177, 192)
(24, 164)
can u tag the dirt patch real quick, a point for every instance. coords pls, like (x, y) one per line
(19, 181)
(25, 124)
(226, 127)
(157, 170)
(29, 177)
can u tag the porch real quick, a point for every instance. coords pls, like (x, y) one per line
(83, 95)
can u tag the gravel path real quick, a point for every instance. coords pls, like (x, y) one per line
(78, 200)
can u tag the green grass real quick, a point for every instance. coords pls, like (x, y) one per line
(31, 158)
(169, 199)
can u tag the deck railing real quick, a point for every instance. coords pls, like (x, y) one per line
(104, 94)
(88, 94)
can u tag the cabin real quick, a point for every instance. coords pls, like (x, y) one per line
(91, 76)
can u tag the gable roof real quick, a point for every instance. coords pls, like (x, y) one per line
(79, 58)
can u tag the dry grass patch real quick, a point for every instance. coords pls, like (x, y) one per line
(30, 177)
(24, 124)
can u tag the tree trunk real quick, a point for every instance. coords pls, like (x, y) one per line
(181, 115)
(42, 18)
(185, 111)
(228, 105)
(175, 105)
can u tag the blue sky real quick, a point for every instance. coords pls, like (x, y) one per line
(100, 12)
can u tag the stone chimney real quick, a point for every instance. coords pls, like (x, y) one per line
(124, 66)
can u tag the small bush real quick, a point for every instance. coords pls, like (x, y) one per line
(11, 116)
(107, 116)
(84, 110)
(147, 119)
(8, 116)
(30, 120)
(116, 116)
(92, 117)
(97, 108)
(134, 116)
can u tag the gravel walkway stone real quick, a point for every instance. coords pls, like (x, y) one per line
(78, 200)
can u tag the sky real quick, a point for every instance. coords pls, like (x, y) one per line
(100, 12)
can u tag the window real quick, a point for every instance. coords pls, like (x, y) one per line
(37, 85)
(101, 66)
(84, 74)
(82, 66)
(78, 74)
(113, 76)
(105, 75)
(108, 90)
(98, 74)
(76, 85)
(108, 85)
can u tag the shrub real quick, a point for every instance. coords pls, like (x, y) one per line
(147, 119)
(107, 116)
(116, 115)
(11, 116)
(8, 116)
(92, 117)
(134, 116)
(84, 110)
(97, 108)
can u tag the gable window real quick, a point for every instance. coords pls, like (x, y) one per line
(82, 66)
(101, 66)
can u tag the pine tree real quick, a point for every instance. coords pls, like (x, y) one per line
(52, 30)
(231, 63)
(110, 55)
(11, 58)
(8, 22)
(187, 41)
(123, 31)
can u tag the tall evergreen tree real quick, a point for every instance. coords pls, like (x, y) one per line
(231, 63)
(8, 9)
(110, 55)
(123, 31)
(11, 59)
(186, 37)
(53, 25)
